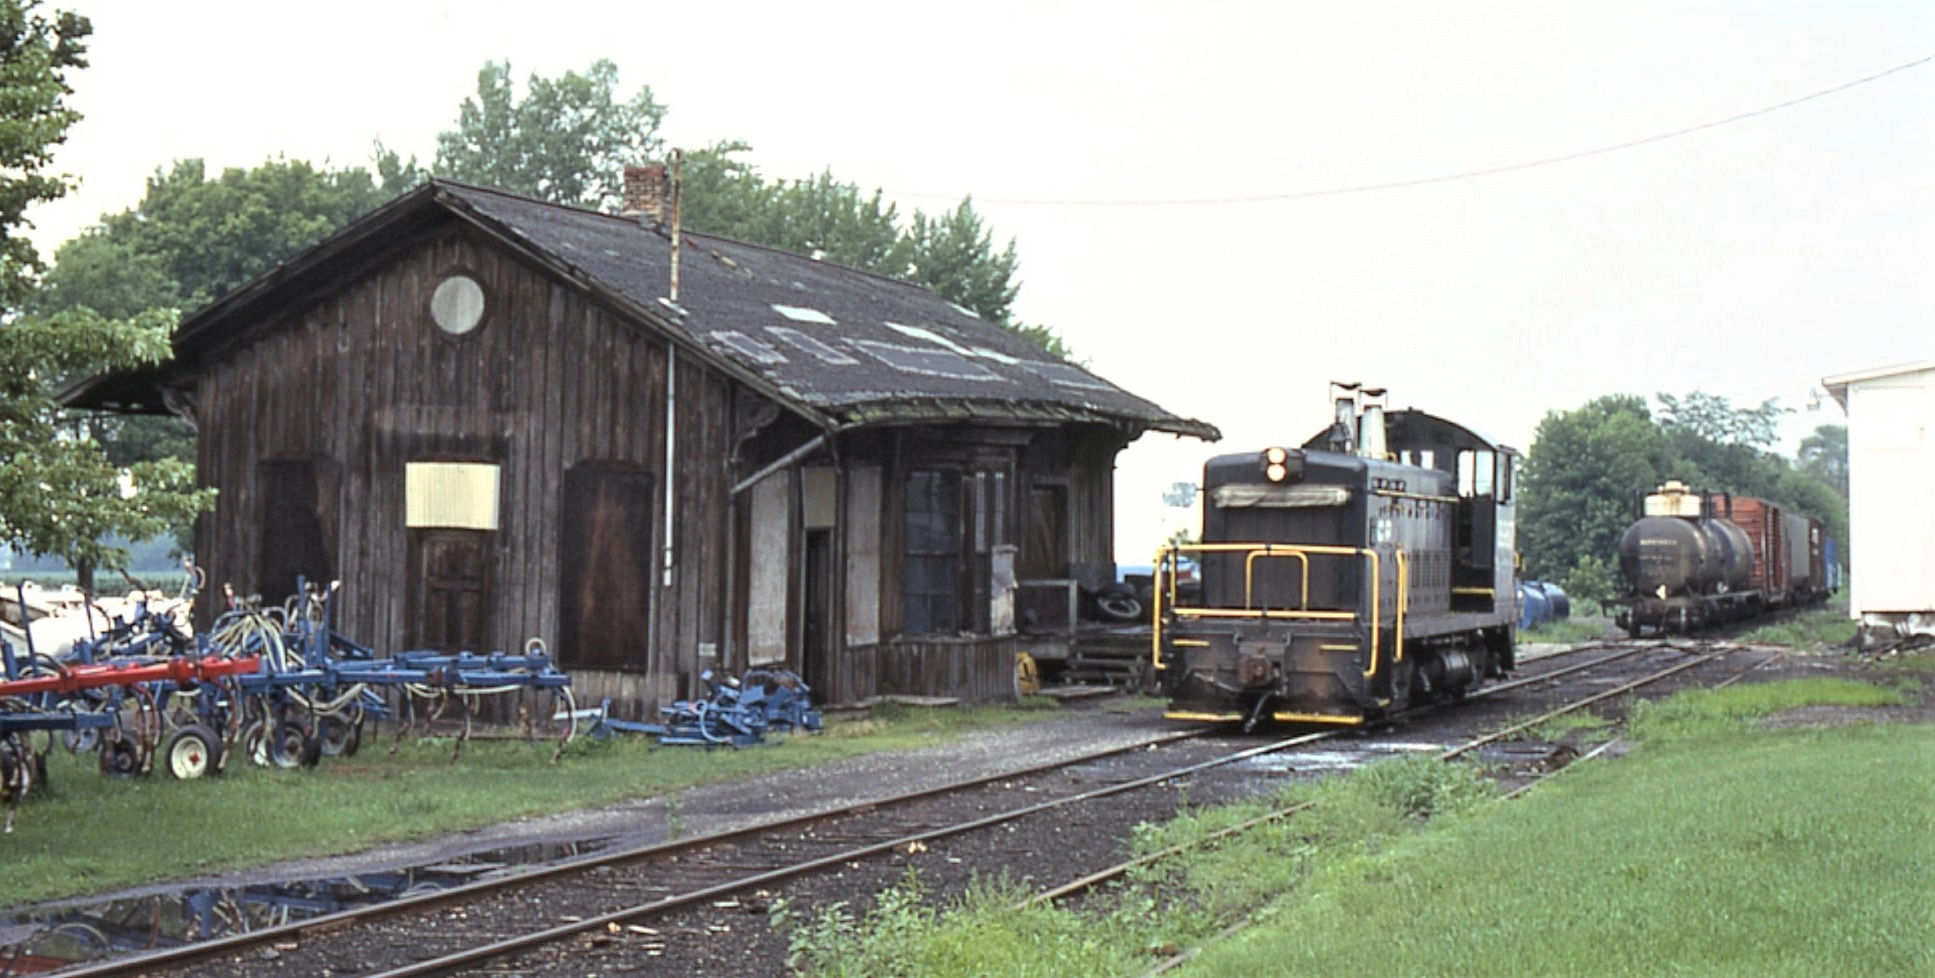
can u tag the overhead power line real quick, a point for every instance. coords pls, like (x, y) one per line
(1447, 177)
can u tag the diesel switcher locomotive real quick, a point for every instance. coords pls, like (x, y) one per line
(1366, 571)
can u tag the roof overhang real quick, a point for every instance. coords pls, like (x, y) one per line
(1837, 386)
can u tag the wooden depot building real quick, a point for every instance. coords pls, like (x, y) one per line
(494, 418)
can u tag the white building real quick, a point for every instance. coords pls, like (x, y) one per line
(1891, 472)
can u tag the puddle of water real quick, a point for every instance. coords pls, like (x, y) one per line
(42, 941)
(1328, 761)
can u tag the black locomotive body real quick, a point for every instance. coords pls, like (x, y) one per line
(1367, 571)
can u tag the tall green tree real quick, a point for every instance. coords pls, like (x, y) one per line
(194, 238)
(568, 139)
(59, 493)
(1824, 455)
(1583, 480)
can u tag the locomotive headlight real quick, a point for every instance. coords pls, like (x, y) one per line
(1275, 468)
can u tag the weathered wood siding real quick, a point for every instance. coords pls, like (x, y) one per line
(976, 669)
(361, 382)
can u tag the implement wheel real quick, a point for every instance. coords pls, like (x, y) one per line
(193, 752)
(290, 746)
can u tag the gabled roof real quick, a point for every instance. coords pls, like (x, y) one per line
(1837, 386)
(847, 348)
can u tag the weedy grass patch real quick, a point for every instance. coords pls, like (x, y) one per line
(1162, 907)
(1569, 631)
(1815, 629)
(1745, 854)
(86, 832)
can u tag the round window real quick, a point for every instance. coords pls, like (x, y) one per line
(458, 304)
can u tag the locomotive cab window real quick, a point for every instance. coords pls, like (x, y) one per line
(1475, 473)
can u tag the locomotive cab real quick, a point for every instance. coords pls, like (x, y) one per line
(1367, 570)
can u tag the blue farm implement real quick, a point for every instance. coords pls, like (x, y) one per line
(317, 688)
(739, 712)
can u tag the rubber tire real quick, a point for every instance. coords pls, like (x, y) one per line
(120, 758)
(1119, 606)
(292, 747)
(193, 752)
(338, 736)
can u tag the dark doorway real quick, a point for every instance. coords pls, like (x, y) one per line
(1044, 539)
(604, 602)
(816, 646)
(450, 590)
(289, 531)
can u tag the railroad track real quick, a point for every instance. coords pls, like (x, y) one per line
(615, 900)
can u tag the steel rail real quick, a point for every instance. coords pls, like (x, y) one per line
(328, 923)
(450, 963)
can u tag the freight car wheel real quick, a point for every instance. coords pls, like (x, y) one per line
(193, 752)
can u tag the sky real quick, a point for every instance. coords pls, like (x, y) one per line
(1219, 206)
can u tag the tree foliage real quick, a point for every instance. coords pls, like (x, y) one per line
(1583, 477)
(1824, 455)
(1589, 469)
(568, 140)
(194, 238)
(59, 493)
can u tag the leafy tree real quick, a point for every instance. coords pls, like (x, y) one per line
(568, 140)
(193, 239)
(1824, 455)
(1715, 419)
(59, 494)
(1583, 480)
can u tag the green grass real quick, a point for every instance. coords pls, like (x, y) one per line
(1578, 725)
(86, 832)
(1569, 631)
(1802, 853)
(1815, 629)
(1720, 712)
(1717, 847)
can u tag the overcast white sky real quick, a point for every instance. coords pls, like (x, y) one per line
(1109, 139)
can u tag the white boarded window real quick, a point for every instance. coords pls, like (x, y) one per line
(456, 495)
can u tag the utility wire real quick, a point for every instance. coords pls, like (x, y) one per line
(1363, 188)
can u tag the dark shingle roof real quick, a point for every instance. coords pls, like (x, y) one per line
(848, 347)
(855, 346)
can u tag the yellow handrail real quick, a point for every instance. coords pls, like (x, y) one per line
(1166, 557)
(1249, 575)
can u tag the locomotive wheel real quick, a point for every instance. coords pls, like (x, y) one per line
(193, 752)
(292, 747)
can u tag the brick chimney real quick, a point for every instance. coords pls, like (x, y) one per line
(647, 193)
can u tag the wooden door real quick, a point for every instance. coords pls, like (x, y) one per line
(605, 550)
(450, 590)
(288, 530)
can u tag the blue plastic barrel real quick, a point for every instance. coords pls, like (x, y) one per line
(1533, 608)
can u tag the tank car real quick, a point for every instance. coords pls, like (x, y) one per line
(1366, 571)
(1698, 558)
